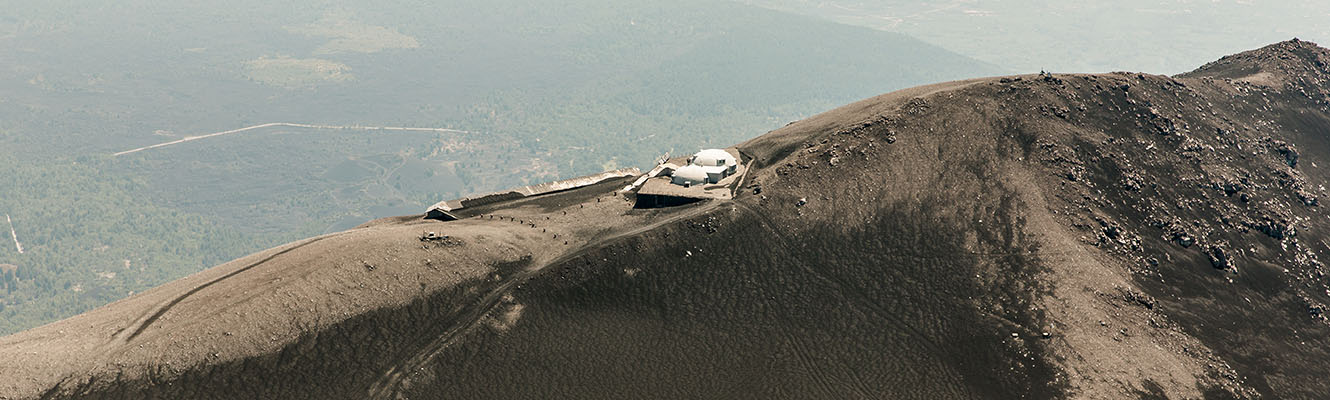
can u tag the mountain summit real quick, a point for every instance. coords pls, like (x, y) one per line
(1289, 58)
(1038, 236)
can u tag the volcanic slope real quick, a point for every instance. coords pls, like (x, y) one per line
(1118, 235)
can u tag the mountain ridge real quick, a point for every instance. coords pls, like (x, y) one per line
(1045, 236)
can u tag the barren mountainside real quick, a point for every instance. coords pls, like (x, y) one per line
(1117, 235)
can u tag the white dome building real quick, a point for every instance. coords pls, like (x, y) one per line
(709, 174)
(707, 166)
(689, 175)
(715, 158)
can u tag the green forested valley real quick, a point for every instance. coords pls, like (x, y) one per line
(542, 90)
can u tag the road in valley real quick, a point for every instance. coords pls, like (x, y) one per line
(291, 125)
(13, 234)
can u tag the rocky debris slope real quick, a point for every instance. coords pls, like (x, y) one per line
(1204, 190)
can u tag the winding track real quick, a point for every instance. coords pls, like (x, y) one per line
(291, 125)
(132, 331)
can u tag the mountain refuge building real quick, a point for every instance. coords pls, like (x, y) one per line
(708, 174)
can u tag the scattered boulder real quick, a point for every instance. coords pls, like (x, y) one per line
(1184, 240)
(434, 239)
(1307, 198)
(1141, 299)
(1289, 151)
(1219, 257)
(1275, 223)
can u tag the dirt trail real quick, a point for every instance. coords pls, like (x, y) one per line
(292, 125)
(142, 324)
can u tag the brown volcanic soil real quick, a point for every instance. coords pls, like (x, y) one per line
(1090, 236)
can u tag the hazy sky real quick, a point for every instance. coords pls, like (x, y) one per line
(1160, 36)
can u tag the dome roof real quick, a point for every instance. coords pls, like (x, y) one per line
(690, 174)
(713, 157)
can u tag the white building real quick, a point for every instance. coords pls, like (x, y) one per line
(689, 175)
(709, 174)
(707, 166)
(715, 158)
